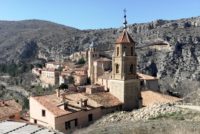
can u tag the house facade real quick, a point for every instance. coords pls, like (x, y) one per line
(67, 111)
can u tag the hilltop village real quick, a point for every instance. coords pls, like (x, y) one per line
(94, 87)
(101, 86)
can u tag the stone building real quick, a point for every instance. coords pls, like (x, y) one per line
(100, 66)
(148, 82)
(110, 90)
(53, 65)
(49, 77)
(80, 79)
(124, 83)
(93, 54)
(37, 71)
(65, 111)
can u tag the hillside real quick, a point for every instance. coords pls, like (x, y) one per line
(156, 119)
(178, 66)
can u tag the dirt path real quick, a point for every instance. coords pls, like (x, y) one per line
(192, 107)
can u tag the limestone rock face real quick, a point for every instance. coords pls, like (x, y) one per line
(29, 50)
(176, 62)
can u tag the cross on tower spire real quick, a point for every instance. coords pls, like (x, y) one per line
(125, 21)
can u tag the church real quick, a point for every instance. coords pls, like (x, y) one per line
(123, 81)
(114, 85)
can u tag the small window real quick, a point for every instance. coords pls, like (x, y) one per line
(35, 121)
(90, 117)
(76, 122)
(131, 69)
(131, 51)
(43, 113)
(117, 68)
(141, 83)
(65, 106)
(67, 125)
(117, 51)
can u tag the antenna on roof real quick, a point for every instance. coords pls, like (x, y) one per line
(125, 21)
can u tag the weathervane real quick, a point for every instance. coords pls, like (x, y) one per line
(125, 21)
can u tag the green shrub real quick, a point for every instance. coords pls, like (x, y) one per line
(63, 86)
(14, 69)
(81, 61)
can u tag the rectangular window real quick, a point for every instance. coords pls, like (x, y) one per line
(35, 121)
(67, 125)
(117, 51)
(71, 124)
(43, 113)
(90, 117)
(76, 122)
(131, 51)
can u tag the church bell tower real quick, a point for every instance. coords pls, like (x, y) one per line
(92, 56)
(124, 84)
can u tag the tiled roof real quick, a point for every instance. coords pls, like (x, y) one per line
(106, 75)
(9, 108)
(151, 97)
(105, 99)
(146, 77)
(95, 100)
(124, 38)
(103, 59)
(51, 103)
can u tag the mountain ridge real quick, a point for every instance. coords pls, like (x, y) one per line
(179, 65)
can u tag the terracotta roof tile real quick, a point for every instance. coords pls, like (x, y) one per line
(103, 59)
(105, 99)
(9, 108)
(96, 100)
(51, 103)
(151, 97)
(146, 77)
(124, 38)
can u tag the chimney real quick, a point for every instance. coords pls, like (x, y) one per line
(63, 97)
(58, 92)
(83, 103)
(65, 105)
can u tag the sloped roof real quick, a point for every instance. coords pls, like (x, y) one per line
(104, 99)
(124, 38)
(152, 97)
(146, 77)
(51, 102)
(8, 127)
(9, 108)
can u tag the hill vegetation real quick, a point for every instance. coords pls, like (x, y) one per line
(176, 63)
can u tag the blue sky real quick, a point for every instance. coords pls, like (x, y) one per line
(92, 14)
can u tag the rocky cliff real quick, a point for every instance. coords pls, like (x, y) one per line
(169, 49)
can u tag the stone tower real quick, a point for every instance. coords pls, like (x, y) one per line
(92, 55)
(124, 84)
